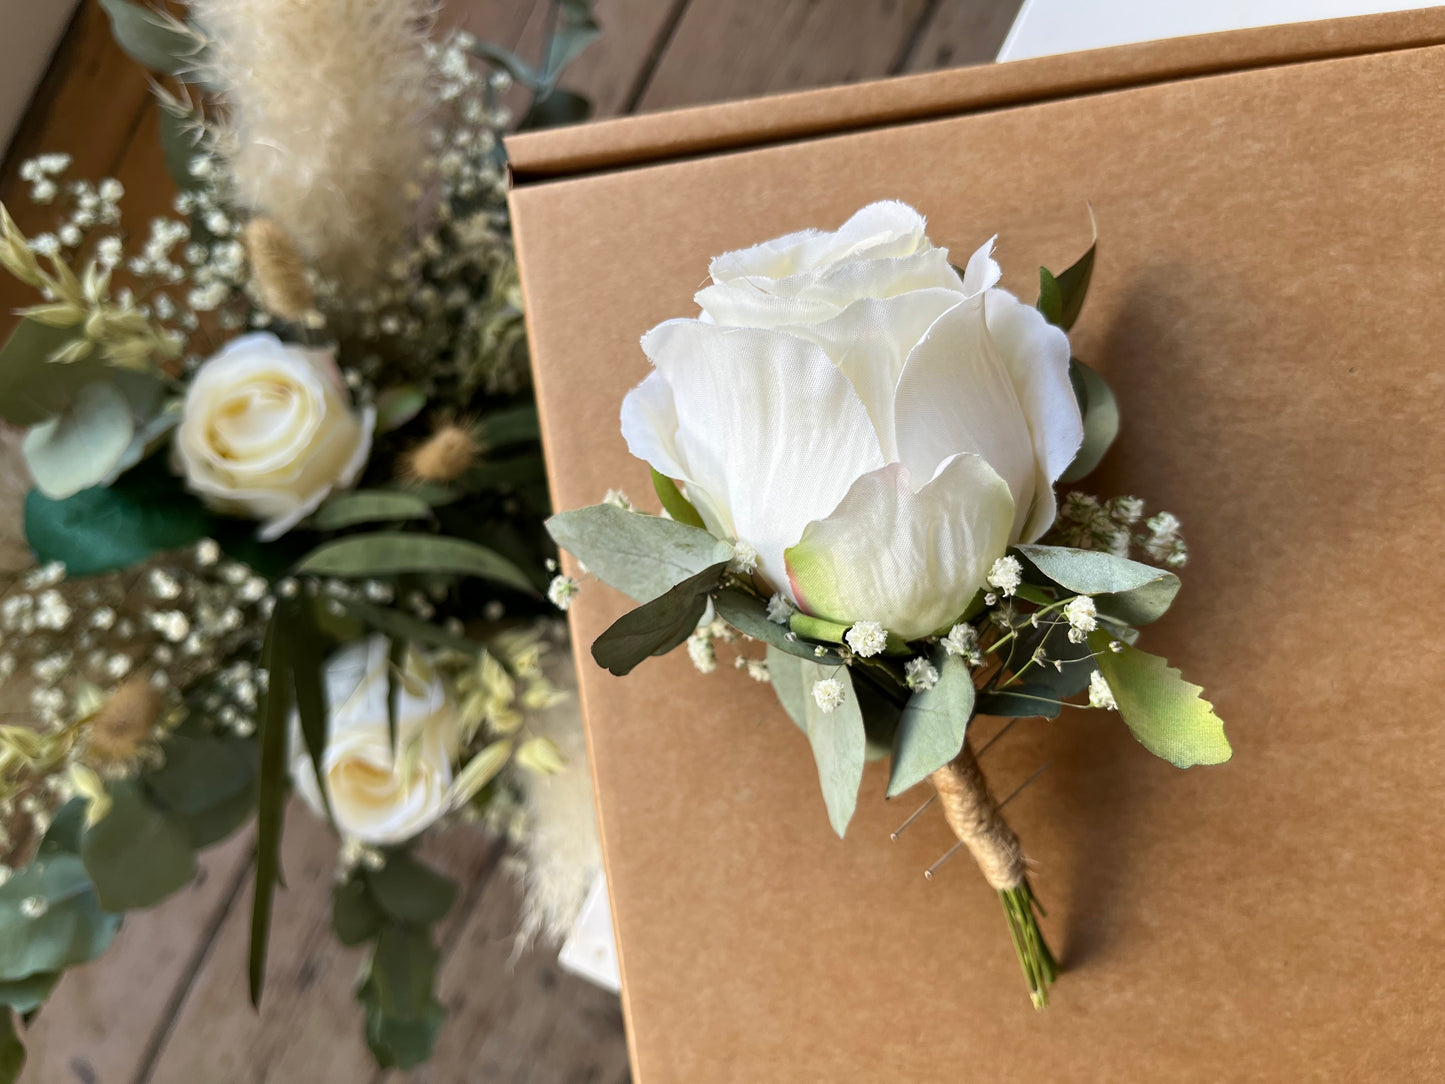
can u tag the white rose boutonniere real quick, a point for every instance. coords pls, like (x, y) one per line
(268, 431)
(877, 426)
(377, 797)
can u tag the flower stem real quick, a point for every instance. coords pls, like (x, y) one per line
(1021, 908)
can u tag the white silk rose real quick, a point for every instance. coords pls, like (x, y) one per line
(878, 427)
(268, 432)
(377, 797)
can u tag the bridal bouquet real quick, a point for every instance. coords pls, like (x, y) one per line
(288, 496)
(856, 447)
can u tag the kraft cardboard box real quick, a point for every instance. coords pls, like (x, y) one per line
(1266, 304)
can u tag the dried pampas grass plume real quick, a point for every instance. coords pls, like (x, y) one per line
(116, 732)
(444, 456)
(278, 270)
(323, 119)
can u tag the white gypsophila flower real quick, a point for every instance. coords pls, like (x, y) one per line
(268, 432)
(1100, 695)
(962, 640)
(921, 674)
(562, 590)
(1082, 617)
(52, 611)
(617, 499)
(867, 638)
(879, 427)
(829, 694)
(745, 559)
(701, 652)
(379, 795)
(780, 610)
(1006, 574)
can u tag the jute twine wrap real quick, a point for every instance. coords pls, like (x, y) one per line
(969, 809)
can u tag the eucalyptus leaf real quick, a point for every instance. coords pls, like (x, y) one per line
(216, 823)
(1101, 422)
(838, 737)
(397, 406)
(1052, 644)
(33, 388)
(749, 615)
(576, 30)
(403, 1044)
(1127, 590)
(1165, 712)
(676, 505)
(79, 447)
(144, 38)
(656, 627)
(63, 835)
(368, 506)
(180, 143)
(388, 553)
(510, 63)
(135, 855)
(201, 772)
(1023, 701)
(28, 994)
(12, 1050)
(408, 891)
(69, 928)
(355, 917)
(933, 726)
(642, 556)
(403, 968)
(554, 109)
(515, 425)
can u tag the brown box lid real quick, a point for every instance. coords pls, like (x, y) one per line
(1266, 299)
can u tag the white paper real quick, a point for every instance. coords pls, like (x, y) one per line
(590, 950)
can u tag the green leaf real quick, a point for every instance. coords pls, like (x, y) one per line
(1165, 712)
(576, 30)
(397, 406)
(510, 63)
(410, 892)
(355, 917)
(217, 823)
(102, 529)
(678, 506)
(642, 556)
(402, 970)
(396, 652)
(33, 388)
(135, 855)
(1024, 701)
(368, 506)
(749, 615)
(180, 143)
(388, 553)
(200, 773)
(63, 835)
(28, 994)
(402, 626)
(146, 40)
(274, 718)
(515, 425)
(1062, 296)
(1052, 643)
(838, 737)
(1127, 590)
(1101, 421)
(305, 660)
(555, 109)
(70, 928)
(656, 627)
(79, 447)
(12, 1051)
(933, 726)
(403, 1044)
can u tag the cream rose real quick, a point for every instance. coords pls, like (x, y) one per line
(375, 797)
(268, 432)
(878, 427)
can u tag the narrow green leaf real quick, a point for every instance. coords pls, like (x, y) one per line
(1062, 296)
(515, 425)
(146, 40)
(642, 556)
(933, 726)
(1127, 590)
(355, 917)
(369, 506)
(274, 717)
(388, 553)
(1165, 712)
(1051, 302)
(656, 627)
(12, 1050)
(748, 614)
(408, 891)
(838, 737)
(397, 406)
(70, 929)
(135, 855)
(402, 626)
(678, 506)
(396, 652)
(1101, 422)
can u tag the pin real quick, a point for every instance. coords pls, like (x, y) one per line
(912, 817)
(1002, 731)
(1019, 789)
(931, 870)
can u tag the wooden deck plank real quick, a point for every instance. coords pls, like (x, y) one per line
(734, 50)
(959, 32)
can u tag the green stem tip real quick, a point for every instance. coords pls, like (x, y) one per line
(1021, 908)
